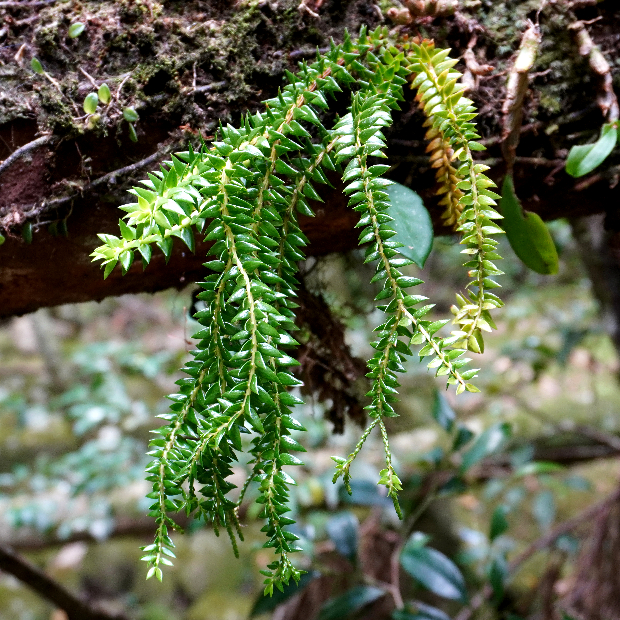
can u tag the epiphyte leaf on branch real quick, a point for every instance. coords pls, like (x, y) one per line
(584, 158)
(412, 223)
(527, 233)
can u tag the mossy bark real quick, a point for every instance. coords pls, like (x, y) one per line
(186, 66)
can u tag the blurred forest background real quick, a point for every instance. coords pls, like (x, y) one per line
(80, 385)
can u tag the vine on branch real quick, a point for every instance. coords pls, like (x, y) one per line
(244, 193)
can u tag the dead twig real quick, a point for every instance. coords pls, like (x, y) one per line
(516, 88)
(22, 150)
(473, 69)
(607, 100)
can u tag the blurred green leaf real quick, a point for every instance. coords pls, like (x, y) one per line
(434, 571)
(538, 467)
(578, 483)
(499, 524)
(422, 612)
(490, 441)
(527, 233)
(27, 232)
(412, 223)
(75, 30)
(584, 158)
(350, 602)
(265, 604)
(90, 103)
(442, 412)
(342, 531)
(463, 437)
(130, 115)
(133, 136)
(497, 578)
(543, 509)
(36, 66)
(364, 493)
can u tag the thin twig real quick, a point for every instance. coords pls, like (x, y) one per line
(607, 100)
(518, 81)
(22, 150)
(208, 87)
(48, 588)
(89, 77)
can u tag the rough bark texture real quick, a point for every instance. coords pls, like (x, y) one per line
(186, 66)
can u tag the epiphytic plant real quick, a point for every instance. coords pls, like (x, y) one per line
(244, 193)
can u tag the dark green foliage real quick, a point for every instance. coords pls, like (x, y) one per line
(244, 194)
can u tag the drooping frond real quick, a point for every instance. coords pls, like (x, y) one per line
(451, 115)
(243, 193)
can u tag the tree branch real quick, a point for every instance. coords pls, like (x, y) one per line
(48, 588)
(22, 150)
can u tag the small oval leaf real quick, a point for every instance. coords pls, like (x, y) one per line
(75, 30)
(584, 158)
(412, 223)
(36, 66)
(527, 233)
(130, 115)
(90, 103)
(133, 136)
(104, 94)
(27, 232)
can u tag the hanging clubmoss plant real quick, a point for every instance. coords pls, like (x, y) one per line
(244, 193)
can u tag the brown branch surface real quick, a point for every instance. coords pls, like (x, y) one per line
(222, 59)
